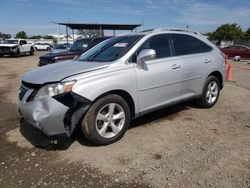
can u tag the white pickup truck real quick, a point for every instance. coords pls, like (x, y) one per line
(16, 47)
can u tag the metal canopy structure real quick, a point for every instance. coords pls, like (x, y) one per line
(100, 26)
(95, 26)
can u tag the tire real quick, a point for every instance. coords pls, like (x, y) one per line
(47, 49)
(17, 53)
(99, 124)
(210, 92)
(31, 51)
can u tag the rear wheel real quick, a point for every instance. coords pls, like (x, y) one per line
(47, 49)
(107, 120)
(210, 93)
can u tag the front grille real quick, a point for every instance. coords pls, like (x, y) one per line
(22, 92)
(4, 49)
(44, 60)
(28, 86)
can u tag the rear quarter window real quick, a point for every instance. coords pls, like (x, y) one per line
(186, 44)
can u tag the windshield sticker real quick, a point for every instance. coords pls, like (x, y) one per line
(84, 45)
(121, 45)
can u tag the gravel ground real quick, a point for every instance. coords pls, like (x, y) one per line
(180, 146)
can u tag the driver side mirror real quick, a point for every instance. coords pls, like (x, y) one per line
(145, 55)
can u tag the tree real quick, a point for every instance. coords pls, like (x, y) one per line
(247, 35)
(4, 36)
(49, 37)
(91, 33)
(210, 36)
(230, 32)
(36, 37)
(21, 35)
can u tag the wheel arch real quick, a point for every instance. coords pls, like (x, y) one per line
(125, 95)
(218, 75)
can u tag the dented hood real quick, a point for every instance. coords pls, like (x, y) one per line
(58, 71)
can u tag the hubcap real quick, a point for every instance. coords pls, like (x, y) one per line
(110, 120)
(212, 92)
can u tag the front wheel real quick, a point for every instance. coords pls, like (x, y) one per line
(17, 54)
(47, 49)
(107, 120)
(210, 93)
(31, 51)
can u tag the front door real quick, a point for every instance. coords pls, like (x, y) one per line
(159, 81)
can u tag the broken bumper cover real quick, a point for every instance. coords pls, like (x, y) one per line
(53, 115)
(46, 114)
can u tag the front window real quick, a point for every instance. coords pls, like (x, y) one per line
(111, 49)
(80, 45)
(11, 42)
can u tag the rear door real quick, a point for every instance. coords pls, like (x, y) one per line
(194, 57)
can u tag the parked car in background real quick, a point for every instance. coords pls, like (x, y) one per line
(61, 48)
(79, 47)
(42, 46)
(122, 78)
(16, 47)
(237, 50)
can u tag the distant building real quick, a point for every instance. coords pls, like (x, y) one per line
(62, 38)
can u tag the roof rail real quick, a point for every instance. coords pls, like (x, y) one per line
(171, 29)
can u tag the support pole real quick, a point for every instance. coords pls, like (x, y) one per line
(67, 34)
(58, 34)
(100, 35)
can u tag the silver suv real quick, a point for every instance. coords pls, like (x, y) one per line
(122, 78)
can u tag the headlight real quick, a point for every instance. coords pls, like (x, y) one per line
(14, 47)
(54, 89)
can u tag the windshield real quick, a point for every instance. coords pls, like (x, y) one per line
(80, 45)
(11, 42)
(111, 49)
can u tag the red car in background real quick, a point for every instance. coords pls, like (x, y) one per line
(237, 50)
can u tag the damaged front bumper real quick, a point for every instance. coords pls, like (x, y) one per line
(52, 115)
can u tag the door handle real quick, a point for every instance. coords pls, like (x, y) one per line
(207, 61)
(175, 67)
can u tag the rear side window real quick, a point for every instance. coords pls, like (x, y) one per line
(185, 44)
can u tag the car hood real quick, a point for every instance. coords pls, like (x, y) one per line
(8, 45)
(58, 54)
(58, 71)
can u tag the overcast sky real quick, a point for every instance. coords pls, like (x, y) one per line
(36, 16)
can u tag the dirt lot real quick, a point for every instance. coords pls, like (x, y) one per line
(181, 146)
